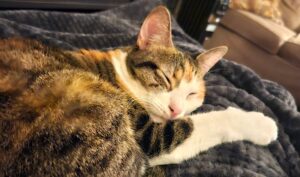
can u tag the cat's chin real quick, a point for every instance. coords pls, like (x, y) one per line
(157, 119)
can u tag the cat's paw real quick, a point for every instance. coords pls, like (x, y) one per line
(255, 126)
(266, 129)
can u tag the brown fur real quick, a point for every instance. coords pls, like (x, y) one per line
(59, 121)
(58, 117)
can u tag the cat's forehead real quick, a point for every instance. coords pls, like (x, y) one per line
(168, 59)
(175, 62)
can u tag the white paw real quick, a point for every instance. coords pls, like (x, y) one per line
(254, 126)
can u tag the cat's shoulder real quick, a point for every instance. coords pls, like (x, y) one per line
(99, 55)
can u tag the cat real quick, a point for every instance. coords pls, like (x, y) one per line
(112, 113)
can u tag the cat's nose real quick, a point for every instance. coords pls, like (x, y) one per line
(175, 110)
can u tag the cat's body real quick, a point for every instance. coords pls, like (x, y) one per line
(56, 119)
(92, 113)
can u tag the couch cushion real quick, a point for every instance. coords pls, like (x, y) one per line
(263, 32)
(272, 67)
(265, 8)
(290, 10)
(290, 51)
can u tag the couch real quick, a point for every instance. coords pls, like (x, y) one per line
(270, 49)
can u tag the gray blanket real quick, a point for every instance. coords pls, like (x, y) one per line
(229, 84)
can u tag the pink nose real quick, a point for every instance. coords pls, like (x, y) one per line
(175, 110)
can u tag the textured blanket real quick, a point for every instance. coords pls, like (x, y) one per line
(229, 84)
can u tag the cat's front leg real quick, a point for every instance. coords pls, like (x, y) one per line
(217, 127)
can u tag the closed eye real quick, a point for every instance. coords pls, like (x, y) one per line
(168, 80)
(191, 94)
(165, 79)
(147, 64)
(153, 85)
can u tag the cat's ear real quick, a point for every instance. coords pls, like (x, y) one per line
(156, 29)
(208, 59)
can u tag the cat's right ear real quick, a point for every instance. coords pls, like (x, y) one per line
(156, 29)
(208, 59)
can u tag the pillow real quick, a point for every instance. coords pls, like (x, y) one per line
(290, 10)
(265, 8)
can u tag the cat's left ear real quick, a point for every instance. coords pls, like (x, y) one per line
(208, 59)
(156, 29)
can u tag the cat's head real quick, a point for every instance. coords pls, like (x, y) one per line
(167, 82)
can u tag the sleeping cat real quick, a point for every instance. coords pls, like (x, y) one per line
(114, 113)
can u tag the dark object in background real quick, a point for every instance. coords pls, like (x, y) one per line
(198, 18)
(80, 5)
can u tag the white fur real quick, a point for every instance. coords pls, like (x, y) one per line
(217, 127)
(153, 106)
(121, 70)
(180, 96)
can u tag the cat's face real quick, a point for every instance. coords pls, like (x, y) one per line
(167, 82)
(172, 80)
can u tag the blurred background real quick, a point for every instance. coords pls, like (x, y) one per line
(261, 34)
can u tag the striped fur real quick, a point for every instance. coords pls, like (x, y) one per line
(73, 113)
(60, 118)
(64, 113)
